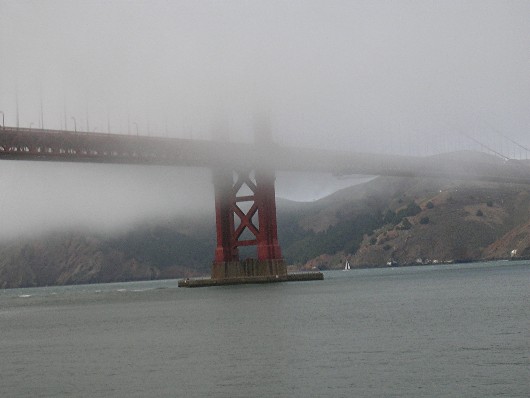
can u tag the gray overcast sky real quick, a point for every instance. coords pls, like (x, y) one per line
(335, 73)
(355, 75)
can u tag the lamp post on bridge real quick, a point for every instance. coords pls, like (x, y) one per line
(75, 124)
(136, 124)
(3, 120)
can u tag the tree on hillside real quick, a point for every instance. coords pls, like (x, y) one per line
(389, 217)
(405, 224)
(411, 210)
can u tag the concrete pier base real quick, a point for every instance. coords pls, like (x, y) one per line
(249, 271)
(298, 277)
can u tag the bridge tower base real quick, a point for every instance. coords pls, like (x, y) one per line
(248, 268)
(245, 212)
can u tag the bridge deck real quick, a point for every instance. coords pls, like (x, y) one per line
(68, 146)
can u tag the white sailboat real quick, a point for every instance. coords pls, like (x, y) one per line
(347, 266)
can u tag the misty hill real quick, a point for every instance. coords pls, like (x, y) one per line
(411, 220)
(401, 219)
(158, 250)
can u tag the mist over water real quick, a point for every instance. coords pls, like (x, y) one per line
(40, 197)
(43, 196)
(405, 77)
(412, 77)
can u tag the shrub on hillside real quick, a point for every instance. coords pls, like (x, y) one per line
(389, 217)
(395, 218)
(411, 210)
(405, 224)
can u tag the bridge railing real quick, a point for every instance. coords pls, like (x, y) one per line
(54, 145)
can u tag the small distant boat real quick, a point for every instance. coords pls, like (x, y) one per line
(347, 266)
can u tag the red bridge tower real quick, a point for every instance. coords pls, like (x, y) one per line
(245, 212)
(259, 220)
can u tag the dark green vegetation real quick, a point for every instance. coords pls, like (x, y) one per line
(300, 245)
(162, 245)
(405, 220)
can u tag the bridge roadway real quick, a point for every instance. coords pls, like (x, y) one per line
(68, 146)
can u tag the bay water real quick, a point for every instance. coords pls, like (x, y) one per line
(460, 330)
